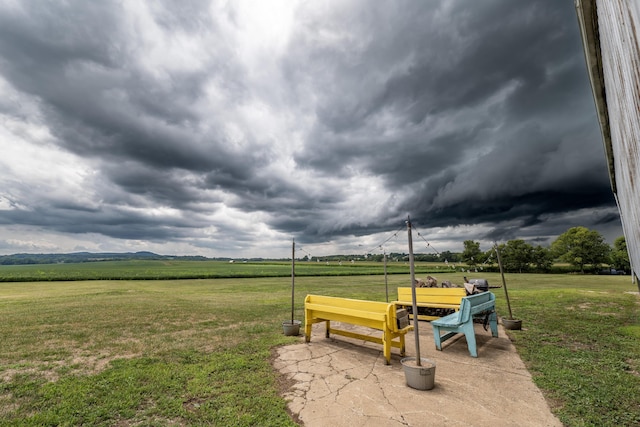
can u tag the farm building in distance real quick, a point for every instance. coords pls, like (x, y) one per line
(611, 42)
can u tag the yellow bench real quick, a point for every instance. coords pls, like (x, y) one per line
(372, 314)
(448, 298)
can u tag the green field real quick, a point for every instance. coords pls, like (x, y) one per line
(197, 352)
(156, 270)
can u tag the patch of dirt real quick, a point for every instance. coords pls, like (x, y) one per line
(7, 404)
(193, 405)
(579, 346)
(632, 369)
(600, 313)
(46, 371)
(554, 404)
(591, 306)
(79, 363)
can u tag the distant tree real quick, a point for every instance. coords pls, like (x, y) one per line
(619, 255)
(376, 257)
(580, 246)
(449, 256)
(397, 257)
(426, 257)
(472, 255)
(516, 255)
(489, 257)
(542, 258)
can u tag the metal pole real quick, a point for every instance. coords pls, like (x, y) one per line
(293, 275)
(413, 294)
(504, 282)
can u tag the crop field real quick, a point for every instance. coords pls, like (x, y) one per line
(197, 352)
(156, 269)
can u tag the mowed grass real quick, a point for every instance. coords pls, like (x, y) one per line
(581, 343)
(188, 352)
(197, 352)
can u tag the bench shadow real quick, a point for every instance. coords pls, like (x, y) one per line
(359, 347)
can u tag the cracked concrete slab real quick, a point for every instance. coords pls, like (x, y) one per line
(344, 382)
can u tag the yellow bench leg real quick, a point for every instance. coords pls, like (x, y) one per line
(386, 343)
(307, 332)
(402, 346)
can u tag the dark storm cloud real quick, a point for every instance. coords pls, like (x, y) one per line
(523, 155)
(101, 103)
(99, 100)
(186, 117)
(166, 187)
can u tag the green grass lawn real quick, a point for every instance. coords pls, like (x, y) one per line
(581, 343)
(197, 352)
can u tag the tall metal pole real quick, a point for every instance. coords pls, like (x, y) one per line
(413, 293)
(293, 275)
(504, 282)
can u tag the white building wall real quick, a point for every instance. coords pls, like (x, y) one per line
(619, 29)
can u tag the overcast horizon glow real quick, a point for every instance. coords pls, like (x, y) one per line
(227, 129)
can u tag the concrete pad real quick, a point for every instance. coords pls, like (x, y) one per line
(344, 382)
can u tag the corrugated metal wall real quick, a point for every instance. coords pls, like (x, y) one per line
(619, 27)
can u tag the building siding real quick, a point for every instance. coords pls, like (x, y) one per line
(612, 46)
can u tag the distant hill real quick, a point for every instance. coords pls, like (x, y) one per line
(77, 257)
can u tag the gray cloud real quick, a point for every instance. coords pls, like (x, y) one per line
(224, 129)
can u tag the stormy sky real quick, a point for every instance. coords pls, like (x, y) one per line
(229, 128)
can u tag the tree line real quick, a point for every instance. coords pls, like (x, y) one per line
(582, 249)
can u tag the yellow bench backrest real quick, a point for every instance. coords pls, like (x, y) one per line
(440, 295)
(356, 304)
(364, 307)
